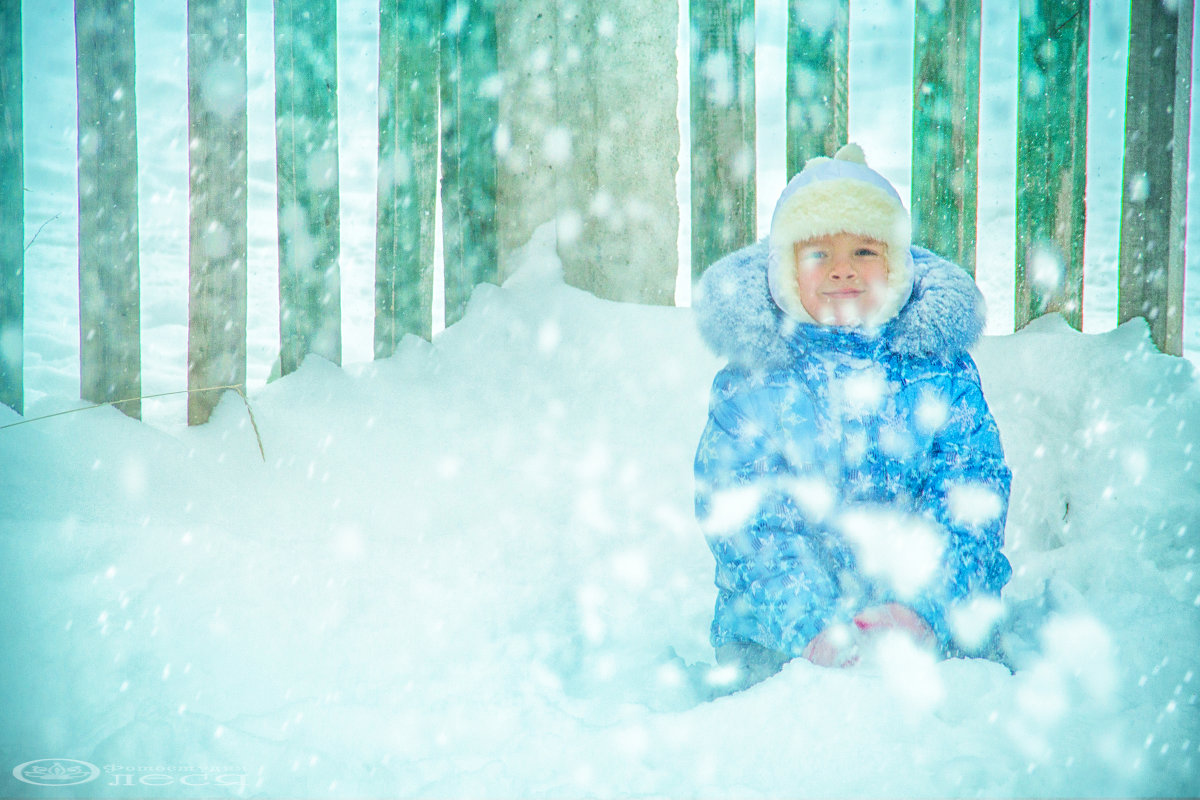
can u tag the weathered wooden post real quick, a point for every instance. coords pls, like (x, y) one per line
(109, 281)
(945, 149)
(1051, 159)
(723, 128)
(615, 150)
(470, 90)
(12, 212)
(535, 145)
(306, 144)
(217, 201)
(1154, 201)
(589, 140)
(818, 61)
(407, 180)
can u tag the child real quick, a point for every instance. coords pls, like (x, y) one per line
(850, 480)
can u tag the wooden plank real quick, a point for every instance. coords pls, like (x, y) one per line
(12, 212)
(945, 150)
(1154, 202)
(109, 282)
(1051, 159)
(306, 145)
(722, 128)
(818, 69)
(217, 123)
(592, 143)
(407, 183)
(470, 109)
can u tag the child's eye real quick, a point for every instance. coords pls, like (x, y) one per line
(866, 252)
(813, 255)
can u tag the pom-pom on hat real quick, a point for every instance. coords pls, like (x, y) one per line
(840, 195)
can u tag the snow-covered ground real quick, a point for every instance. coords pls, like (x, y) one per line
(460, 572)
(472, 569)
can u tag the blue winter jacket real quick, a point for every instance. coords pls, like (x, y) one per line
(840, 470)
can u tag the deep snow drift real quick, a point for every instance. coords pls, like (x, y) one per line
(460, 571)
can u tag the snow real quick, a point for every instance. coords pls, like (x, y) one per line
(900, 550)
(460, 571)
(472, 569)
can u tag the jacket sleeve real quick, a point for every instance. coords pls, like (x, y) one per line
(966, 493)
(761, 500)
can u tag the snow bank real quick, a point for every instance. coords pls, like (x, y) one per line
(461, 571)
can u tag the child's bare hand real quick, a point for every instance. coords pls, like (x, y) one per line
(836, 646)
(841, 645)
(894, 617)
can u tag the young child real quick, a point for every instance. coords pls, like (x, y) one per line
(850, 480)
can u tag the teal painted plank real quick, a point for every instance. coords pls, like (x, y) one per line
(818, 69)
(12, 212)
(217, 124)
(722, 128)
(470, 90)
(306, 145)
(407, 183)
(109, 281)
(1154, 201)
(945, 149)
(1051, 159)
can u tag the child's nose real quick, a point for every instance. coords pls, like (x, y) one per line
(841, 267)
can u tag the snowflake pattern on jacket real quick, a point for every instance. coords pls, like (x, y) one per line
(841, 469)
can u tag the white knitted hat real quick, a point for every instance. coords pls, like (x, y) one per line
(840, 195)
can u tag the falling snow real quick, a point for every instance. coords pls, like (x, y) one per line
(473, 569)
(413, 585)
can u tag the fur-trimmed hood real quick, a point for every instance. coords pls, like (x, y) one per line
(840, 195)
(738, 319)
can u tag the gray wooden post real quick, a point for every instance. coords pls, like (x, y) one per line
(945, 149)
(590, 141)
(407, 182)
(529, 47)
(12, 212)
(818, 62)
(470, 109)
(109, 282)
(217, 201)
(1051, 159)
(723, 128)
(1154, 201)
(306, 161)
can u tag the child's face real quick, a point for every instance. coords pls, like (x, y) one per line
(841, 277)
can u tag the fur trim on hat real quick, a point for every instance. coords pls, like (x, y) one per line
(740, 321)
(840, 195)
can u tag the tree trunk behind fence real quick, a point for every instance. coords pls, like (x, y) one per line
(12, 212)
(306, 144)
(217, 201)
(818, 49)
(470, 90)
(1154, 200)
(109, 281)
(723, 128)
(407, 182)
(1051, 159)
(946, 130)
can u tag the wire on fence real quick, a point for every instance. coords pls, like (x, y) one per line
(235, 387)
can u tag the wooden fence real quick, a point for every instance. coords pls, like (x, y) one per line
(1051, 142)
(440, 103)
